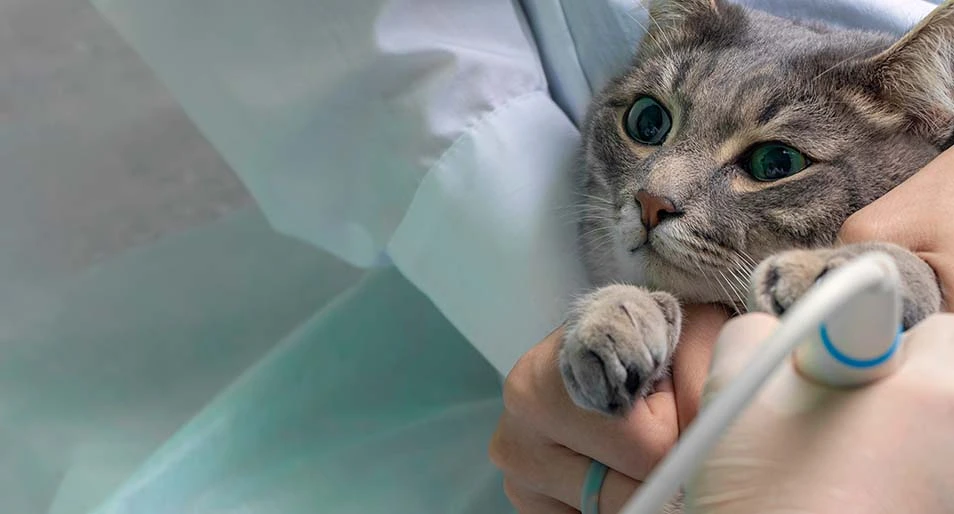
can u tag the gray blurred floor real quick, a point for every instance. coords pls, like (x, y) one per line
(137, 278)
(101, 155)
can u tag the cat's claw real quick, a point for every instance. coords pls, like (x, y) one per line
(617, 345)
(780, 280)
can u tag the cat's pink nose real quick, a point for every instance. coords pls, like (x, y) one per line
(655, 208)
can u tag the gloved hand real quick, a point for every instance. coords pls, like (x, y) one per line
(803, 448)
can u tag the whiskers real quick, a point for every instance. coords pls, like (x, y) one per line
(597, 217)
(727, 269)
(739, 273)
(665, 44)
(597, 238)
(588, 208)
(710, 268)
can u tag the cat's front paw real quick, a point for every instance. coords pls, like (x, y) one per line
(780, 280)
(617, 344)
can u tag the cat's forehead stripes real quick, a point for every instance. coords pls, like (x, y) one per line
(759, 100)
(670, 72)
(683, 64)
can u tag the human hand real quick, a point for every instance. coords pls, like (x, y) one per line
(544, 443)
(916, 215)
(801, 447)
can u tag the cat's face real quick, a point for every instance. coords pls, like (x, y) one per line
(736, 134)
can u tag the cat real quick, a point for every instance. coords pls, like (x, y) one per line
(725, 160)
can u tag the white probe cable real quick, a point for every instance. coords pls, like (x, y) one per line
(846, 301)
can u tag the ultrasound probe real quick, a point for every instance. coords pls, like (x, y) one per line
(845, 332)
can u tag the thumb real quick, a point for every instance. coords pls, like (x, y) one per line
(738, 341)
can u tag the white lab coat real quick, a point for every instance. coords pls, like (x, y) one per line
(430, 143)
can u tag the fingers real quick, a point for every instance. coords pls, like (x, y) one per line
(942, 262)
(535, 395)
(928, 343)
(701, 327)
(543, 474)
(527, 501)
(544, 442)
(737, 343)
(614, 494)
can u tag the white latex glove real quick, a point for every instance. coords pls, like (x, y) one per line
(803, 448)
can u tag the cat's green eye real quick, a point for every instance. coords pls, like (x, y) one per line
(647, 121)
(774, 161)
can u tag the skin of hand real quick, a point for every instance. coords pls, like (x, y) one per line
(802, 447)
(917, 215)
(544, 442)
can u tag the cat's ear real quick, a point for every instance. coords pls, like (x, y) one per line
(674, 21)
(678, 15)
(917, 74)
(666, 12)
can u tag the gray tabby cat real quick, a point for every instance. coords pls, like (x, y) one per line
(732, 151)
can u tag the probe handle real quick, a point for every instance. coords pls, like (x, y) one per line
(858, 342)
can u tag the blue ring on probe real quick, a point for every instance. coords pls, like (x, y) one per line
(859, 363)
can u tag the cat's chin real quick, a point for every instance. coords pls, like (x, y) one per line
(691, 286)
(647, 266)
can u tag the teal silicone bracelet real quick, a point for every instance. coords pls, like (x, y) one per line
(591, 487)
